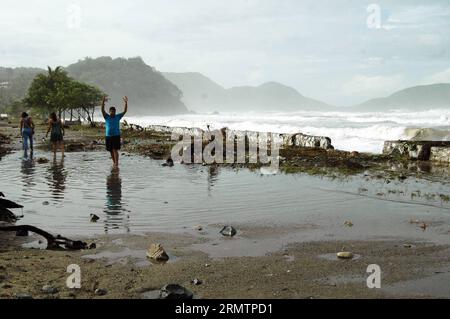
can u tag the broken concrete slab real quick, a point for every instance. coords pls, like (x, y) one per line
(413, 150)
(283, 139)
(440, 154)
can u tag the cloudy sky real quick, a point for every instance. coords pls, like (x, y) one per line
(339, 51)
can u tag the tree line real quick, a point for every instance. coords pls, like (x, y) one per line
(55, 91)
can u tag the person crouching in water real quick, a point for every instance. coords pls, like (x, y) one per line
(56, 130)
(112, 123)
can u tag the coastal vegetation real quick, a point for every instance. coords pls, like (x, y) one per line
(57, 92)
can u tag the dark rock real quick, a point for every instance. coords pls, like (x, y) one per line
(197, 282)
(100, 292)
(228, 231)
(94, 218)
(168, 163)
(174, 291)
(47, 289)
(92, 246)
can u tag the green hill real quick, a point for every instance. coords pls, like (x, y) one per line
(149, 92)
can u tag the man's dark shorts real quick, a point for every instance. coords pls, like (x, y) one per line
(112, 143)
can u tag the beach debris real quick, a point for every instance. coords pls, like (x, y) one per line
(157, 252)
(207, 265)
(45, 203)
(348, 223)
(92, 246)
(196, 282)
(94, 218)
(100, 292)
(168, 163)
(23, 296)
(22, 233)
(9, 204)
(345, 255)
(53, 242)
(175, 291)
(6, 215)
(228, 231)
(199, 228)
(47, 289)
(408, 246)
(424, 226)
(42, 160)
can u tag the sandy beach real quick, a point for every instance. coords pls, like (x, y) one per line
(275, 255)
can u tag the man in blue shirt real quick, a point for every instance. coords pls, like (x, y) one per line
(112, 123)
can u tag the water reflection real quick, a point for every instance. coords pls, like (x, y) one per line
(56, 177)
(27, 169)
(114, 206)
(213, 173)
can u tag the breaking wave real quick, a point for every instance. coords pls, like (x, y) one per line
(363, 132)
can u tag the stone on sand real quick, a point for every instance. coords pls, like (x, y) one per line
(157, 252)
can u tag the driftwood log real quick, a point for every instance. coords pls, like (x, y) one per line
(9, 204)
(6, 215)
(53, 242)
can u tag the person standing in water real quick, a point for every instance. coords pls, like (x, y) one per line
(56, 128)
(27, 131)
(112, 123)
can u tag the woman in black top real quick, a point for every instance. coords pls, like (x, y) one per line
(56, 128)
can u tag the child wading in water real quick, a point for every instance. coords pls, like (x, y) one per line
(56, 128)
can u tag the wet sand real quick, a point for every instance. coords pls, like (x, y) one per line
(301, 270)
(279, 268)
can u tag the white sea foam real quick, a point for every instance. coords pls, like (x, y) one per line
(364, 132)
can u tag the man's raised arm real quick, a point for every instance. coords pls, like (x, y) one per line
(105, 98)
(125, 100)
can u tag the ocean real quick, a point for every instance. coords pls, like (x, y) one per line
(350, 131)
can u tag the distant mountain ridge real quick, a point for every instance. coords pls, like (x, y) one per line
(421, 97)
(202, 94)
(155, 93)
